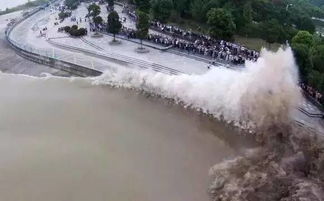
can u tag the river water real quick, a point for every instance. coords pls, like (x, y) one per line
(80, 139)
(65, 139)
(11, 3)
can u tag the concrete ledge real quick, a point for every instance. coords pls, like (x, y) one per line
(74, 69)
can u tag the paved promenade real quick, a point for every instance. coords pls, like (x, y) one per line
(28, 34)
(10, 62)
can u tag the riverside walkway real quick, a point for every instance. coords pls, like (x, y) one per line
(83, 52)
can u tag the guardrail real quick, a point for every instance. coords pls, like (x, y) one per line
(43, 57)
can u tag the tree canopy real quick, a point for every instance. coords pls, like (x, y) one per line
(283, 18)
(142, 25)
(306, 24)
(93, 10)
(303, 37)
(143, 5)
(114, 25)
(221, 24)
(161, 9)
(309, 57)
(317, 58)
(302, 55)
(97, 20)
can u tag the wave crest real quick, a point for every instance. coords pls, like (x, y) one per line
(261, 94)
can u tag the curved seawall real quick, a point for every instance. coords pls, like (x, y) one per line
(42, 57)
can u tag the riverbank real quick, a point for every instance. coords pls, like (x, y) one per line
(10, 62)
(27, 5)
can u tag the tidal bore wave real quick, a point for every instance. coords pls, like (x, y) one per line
(263, 93)
(289, 165)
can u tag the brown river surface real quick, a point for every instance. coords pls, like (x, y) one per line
(66, 140)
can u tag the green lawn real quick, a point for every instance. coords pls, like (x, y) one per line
(251, 43)
(189, 25)
(255, 43)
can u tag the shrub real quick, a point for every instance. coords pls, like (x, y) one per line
(78, 32)
(62, 15)
(67, 29)
(82, 31)
(74, 27)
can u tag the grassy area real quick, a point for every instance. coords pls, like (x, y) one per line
(255, 43)
(251, 43)
(189, 25)
(23, 6)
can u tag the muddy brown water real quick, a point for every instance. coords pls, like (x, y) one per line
(68, 140)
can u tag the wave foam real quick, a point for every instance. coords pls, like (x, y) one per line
(262, 93)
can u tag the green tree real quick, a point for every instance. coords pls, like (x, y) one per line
(93, 10)
(305, 23)
(317, 58)
(247, 13)
(162, 9)
(315, 78)
(97, 20)
(142, 26)
(212, 4)
(303, 37)
(272, 31)
(182, 7)
(221, 24)
(143, 5)
(114, 25)
(302, 56)
(197, 9)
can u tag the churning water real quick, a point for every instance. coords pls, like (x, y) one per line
(64, 139)
(114, 138)
(264, 92)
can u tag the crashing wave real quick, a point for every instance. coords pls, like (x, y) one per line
(263, 92)
(288, 166)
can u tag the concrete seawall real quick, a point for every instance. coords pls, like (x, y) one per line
(74, 69)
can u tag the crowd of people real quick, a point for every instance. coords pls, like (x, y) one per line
(312, 92)
(193, 43)
(130, 11)
(205, 42)
(198, 47)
